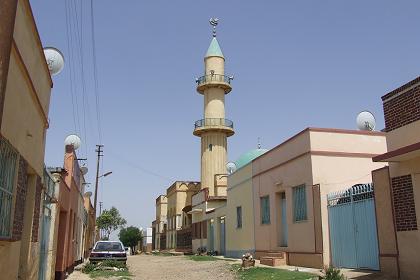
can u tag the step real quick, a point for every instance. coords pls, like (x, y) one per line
(272, 261)
(275, 255)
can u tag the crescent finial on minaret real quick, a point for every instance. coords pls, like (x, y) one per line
(214, 22)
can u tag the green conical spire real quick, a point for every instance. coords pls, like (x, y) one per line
(214, 49)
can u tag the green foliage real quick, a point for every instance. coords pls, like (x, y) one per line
(94, 270)
(113, 263)
(260, 273)
(109, 221)
(130, 237)
(332, 273)
(88, 268)
(202, 258)
(122, 275)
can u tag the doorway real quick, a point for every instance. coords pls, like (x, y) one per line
(283, 220)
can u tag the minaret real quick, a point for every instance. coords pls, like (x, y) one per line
(214, 128)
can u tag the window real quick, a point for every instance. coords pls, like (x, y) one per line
(211, 147)
(299, 203)
(8, 164)
(239, 217)
(265, 210)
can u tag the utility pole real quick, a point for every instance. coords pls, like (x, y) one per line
(99, 152)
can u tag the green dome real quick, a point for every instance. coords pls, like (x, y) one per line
(214, 49)
(247, 157)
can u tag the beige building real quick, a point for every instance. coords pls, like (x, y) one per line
(25, 82)
(240, 238)
(213, 130)
(160, 222)
(179, 196)
(397, 187)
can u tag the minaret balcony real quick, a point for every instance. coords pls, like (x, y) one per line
(214, 80)
(213, 124)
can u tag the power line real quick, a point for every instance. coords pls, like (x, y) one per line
(70, 66)
(79, 48)
(95, 71)
(144, 170)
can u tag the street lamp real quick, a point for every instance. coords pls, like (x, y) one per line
(106, 174)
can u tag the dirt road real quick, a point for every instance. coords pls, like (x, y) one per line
(149, 267)
(177, 268)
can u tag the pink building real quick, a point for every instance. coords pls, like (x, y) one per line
(290, 187)
(70, 226)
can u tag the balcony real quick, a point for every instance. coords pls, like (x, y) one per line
(214, 80)
(213, 124)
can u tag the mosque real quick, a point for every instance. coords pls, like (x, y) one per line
(273, 203)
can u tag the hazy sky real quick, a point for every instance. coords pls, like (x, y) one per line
(296, 64)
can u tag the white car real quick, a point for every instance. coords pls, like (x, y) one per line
(108, 250)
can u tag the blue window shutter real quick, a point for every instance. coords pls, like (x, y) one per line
(239, 217)
(299, 203)
(265, 210)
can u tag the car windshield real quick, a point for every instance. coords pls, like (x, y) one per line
(108, 246)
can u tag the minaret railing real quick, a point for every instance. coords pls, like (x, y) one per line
(213, 122)
(214, 78)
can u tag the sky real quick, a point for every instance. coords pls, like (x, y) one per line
(296, 64)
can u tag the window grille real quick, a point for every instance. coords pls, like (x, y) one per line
(265, 210)
(239, 217)
(299, 203)
(8, 167)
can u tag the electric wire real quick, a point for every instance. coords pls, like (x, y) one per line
(70, 72)
(79, 52)
(95, 71)
(136, 166)
(72, 63)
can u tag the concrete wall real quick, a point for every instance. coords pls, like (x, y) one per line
(387, 238)
(409, 241)
(29, 87)
(339, 161)
(240, 240)
(23, 123)
(336, 174)
(273, 183)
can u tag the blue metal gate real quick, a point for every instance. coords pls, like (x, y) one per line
(352, 222)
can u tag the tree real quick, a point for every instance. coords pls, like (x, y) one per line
(130, 237)
(109, 221)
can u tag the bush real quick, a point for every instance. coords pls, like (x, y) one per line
(332, 273)
(88, 268)
(113, 263)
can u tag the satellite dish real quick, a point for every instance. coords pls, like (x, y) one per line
(84, 170)
(88, 194)
(366, 121)
(230, 167)
(73, 140)
(55, 60)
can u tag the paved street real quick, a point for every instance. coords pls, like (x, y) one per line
(166, 267)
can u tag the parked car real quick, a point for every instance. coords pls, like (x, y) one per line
(108, 250)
